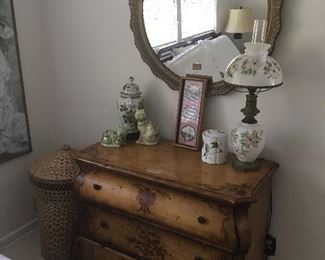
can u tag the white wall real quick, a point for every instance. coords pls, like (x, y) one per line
(16, 205)
(92, 54)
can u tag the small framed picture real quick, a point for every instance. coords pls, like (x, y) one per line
(190, 110)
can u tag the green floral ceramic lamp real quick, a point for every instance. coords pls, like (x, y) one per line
(254, 71)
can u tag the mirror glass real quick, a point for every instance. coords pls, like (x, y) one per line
(200, 36)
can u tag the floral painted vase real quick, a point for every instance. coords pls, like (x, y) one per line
(130, 99)
(214, 149)
(248, 141)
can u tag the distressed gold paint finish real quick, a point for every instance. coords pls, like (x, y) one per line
(181, 169)
(180, 206)
(85, 249)
(142, 240)
(173, 209)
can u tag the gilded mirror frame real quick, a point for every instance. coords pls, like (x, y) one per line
(169, 77)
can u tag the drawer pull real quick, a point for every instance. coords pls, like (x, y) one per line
(198, 258)
(202, 220)
(97, 187)
(103, 224)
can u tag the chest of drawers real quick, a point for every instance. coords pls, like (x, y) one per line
(162, 202)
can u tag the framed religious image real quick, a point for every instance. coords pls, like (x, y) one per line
(190, 110)
(14, 132)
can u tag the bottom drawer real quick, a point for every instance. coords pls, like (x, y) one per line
(144, 241)
(85, 249)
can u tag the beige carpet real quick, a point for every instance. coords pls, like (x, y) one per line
(25, 248)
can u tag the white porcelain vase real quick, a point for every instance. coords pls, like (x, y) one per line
(214, 149)
(248, 141)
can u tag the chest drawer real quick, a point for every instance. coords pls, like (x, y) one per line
(144, 241)
(85, 249)
(179, 211)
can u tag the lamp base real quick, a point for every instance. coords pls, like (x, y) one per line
(246, 166)
(238, 36)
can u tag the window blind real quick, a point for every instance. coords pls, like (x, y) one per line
(160, 17)
(160, 21)
(198, 16)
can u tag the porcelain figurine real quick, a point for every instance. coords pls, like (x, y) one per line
(149, 134)
(130, 99)
(214, 149)
(122, 132)
(114, 139)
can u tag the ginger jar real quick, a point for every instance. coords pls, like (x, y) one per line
(130, 99)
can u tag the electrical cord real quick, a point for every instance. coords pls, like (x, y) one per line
(270, 217)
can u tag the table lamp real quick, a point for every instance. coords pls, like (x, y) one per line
(240, 21)
(254, 72)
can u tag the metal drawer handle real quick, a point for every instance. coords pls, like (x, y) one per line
(202, 220)
(103, 224)
(198, 258)
(97, 187)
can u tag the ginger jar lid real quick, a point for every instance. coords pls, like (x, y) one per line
(131, 89)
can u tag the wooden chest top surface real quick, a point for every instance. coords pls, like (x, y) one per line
(180, 169)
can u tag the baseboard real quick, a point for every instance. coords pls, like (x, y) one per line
(18, 233)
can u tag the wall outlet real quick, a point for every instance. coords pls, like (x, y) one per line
(270, 245)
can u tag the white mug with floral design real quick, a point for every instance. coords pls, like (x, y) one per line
(214, 149)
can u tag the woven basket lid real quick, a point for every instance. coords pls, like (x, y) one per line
(56, 168)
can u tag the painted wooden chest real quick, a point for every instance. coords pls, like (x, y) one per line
(163, 202)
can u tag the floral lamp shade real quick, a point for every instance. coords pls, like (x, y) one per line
(254, 68)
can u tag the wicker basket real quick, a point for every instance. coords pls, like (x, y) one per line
(56, 205)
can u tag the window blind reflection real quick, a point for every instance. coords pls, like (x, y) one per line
(160, 21)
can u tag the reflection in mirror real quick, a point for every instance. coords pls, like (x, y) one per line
(200, 36)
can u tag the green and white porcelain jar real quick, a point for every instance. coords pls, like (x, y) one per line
(130, 99)
(248, 141)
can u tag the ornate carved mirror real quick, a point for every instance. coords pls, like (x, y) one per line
(177, 37)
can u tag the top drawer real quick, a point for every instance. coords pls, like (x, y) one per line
(182, 212)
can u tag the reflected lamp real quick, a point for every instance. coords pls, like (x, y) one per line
(240, 21)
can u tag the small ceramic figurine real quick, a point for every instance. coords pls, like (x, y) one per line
(114, 139)
(122, 132)
(149, 134)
